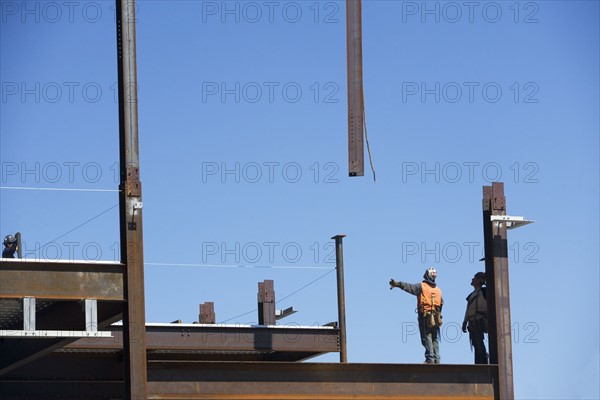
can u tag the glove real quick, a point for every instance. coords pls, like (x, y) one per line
(393, 284)
(464, 327)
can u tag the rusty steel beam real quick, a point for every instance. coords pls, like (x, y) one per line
(322, 381)
(130, 204)
(339, 266)
(214, 338)
(496, 266)
(252, 380)
(61, 280)
(356, 122)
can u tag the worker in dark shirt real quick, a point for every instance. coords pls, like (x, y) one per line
(10, 246)
(475, 321)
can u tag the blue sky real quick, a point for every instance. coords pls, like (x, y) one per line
(243, 161)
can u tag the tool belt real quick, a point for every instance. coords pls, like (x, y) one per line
(480, 323)
(433, 319)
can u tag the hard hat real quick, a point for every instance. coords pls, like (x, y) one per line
(430, 274)
(9, 239)
(481, 276)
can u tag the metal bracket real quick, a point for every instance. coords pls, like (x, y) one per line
(29, 313)
(91, 315)
(512, 222)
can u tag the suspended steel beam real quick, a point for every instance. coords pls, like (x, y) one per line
(61, 280)
(496, 267)
(356, 122)
(130, 204)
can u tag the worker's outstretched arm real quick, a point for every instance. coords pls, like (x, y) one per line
(412, 288)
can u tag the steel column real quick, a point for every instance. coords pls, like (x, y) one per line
(132, 254)
(356, 123)
(496, 266)
(207, 313)
(339, 266)
(19, 245)
(266, 303)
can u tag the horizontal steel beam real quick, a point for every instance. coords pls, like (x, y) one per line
(219, 338)
(61, 280)
(252, 380)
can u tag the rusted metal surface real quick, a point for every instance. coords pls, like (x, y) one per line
(207, 313)
(318, 381)
(239, 380)
(496, 265)
(224, 342)
(356, 154)
(341, 297)
(62, 280)
(266, 303)
(130, 200)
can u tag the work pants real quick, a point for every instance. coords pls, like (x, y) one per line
(429, 340)
(477, 336)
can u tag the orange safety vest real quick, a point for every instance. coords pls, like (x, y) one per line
(430, 298)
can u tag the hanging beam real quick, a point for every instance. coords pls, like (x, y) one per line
(356, 122)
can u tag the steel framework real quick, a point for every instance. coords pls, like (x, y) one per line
(179, 361)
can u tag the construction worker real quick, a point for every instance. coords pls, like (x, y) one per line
(475, 320)
(429, 308)
(10, 246)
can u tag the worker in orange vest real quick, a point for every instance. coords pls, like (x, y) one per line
(429, 308)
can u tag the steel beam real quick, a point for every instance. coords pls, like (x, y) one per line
(130, 201)
(210, 339)
(61, 280)
(356, 121)
(322, 381)
(496, 266)
(243, 380)
(339, 266)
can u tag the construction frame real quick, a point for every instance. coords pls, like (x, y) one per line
(59, 337)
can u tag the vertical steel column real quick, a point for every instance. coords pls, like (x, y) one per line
(496, 266)
(130, 201)
(339, 265)
(19, 245)
(266, 303)
(207, 313)
(356, 123)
